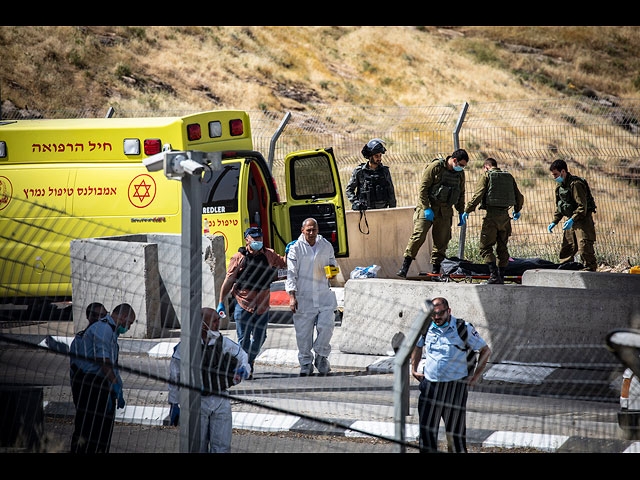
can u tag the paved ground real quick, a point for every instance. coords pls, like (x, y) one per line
(279, 350)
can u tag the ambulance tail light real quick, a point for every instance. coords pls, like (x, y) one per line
(236, 127)
(152, 146)
(193, 132)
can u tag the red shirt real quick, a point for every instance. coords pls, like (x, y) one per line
(252, 300)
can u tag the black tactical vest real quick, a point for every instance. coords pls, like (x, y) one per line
(256, 274)
(500, 192)
(564, 198)
(218, 368)
(448, 189)
(374, 188)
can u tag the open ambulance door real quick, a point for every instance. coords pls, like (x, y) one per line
(314, 190)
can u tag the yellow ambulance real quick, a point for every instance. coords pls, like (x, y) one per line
(62, 180)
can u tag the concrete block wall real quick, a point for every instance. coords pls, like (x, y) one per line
(144, 271)
(394, 226)
(520, 322)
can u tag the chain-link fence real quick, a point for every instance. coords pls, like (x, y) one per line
(599, 140)
(352, 408)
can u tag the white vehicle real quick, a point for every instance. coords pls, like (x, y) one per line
(624, 343)
(629, 414)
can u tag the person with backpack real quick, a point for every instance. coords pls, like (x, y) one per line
(574, 201)
(449, 369)
(496, 191)
(224, 364)
(441, 189)
(251, 271)
(98, 381)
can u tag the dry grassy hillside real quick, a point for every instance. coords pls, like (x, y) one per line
(49, 68)
(84, 70)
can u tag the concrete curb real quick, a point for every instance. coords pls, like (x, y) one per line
(479, 438)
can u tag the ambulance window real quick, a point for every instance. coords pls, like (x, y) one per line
(312, 177)
(220, 189)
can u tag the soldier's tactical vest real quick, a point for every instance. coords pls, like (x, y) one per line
(256, 274)
(374, 190)
(565, 201)
(218, 368)
(448, 189)
(500, 192)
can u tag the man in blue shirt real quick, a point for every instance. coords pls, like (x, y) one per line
(98, 381)
(95, 311)
(446, 376)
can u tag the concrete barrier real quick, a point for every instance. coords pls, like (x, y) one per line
(622, 283)
(144, 271)
(520, 323)
(389, 231)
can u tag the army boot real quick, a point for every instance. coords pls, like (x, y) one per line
(494, 275)
(436, 269)
(405, 267)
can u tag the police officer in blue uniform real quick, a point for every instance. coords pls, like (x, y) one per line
(449, 369)
(98, 381)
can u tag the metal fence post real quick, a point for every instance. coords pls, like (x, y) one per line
(456, 146)
(401, 373)
(274, 139)
(190, 309)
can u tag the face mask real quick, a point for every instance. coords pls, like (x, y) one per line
(458, 168)
(559, 179)
(256, 246)
(120, 330)
(211, 333)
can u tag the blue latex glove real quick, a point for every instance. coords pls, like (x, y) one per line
(117, 388)
(241, 373)
(516, 216)
(286, 250)
(568, 224)
(174, 415)
(463, 219)
(221, 311)
(428, 214)
(550, 227)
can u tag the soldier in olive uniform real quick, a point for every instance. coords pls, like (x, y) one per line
(370, 185)
(496, 191)
(441, 188)
(575, 201)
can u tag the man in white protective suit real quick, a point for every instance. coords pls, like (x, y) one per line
(224, 364)
(311, 300)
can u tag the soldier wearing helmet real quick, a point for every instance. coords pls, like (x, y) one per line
(370, 185)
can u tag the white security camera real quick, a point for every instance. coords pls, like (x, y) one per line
(192, 167)
(154, 162)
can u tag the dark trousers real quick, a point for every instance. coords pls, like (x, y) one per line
(93, 424)
(446, 400)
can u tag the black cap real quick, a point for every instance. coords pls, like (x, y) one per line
(253, 232)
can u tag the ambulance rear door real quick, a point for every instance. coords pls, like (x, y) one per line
(314, 190)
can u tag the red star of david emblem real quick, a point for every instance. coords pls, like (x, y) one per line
(142, 185)
(142, 190)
